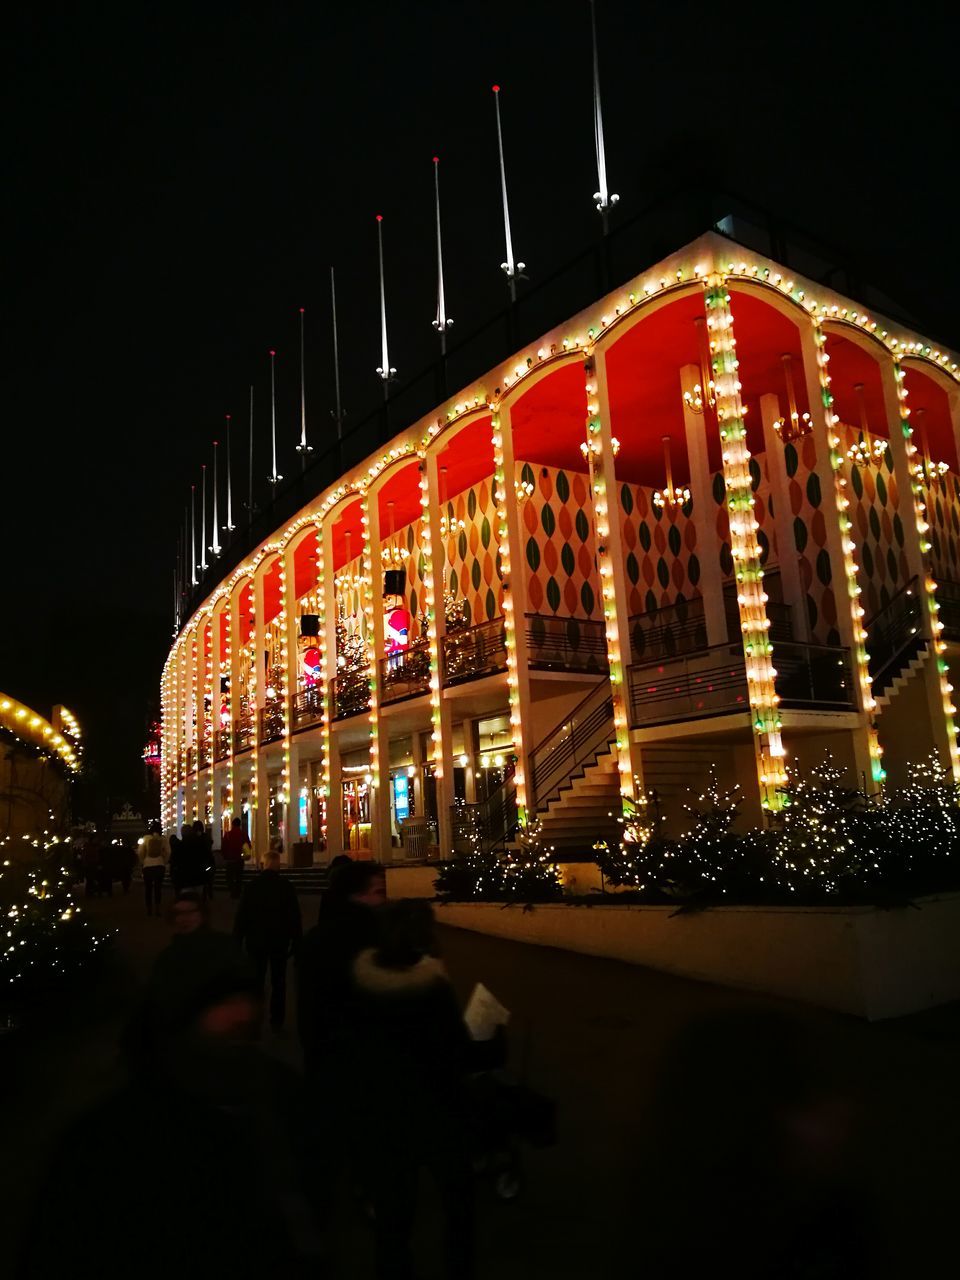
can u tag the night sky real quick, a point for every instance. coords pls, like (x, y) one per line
(180, 181)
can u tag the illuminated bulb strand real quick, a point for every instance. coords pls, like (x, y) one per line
(253, 710)
(324, 682)
(285, 785)
(930, 592)
(208, 721)
(751, 598)
(597, 465)
(433, 640)
(226, 623)
(861, 658)
(368, 603)
(509, 621)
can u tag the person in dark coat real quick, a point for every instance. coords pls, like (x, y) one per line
(200, 1150)
(410, 1031)
(347, 925)
(268, 925)
(231, 851)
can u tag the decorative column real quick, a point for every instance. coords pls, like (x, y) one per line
(290, 769)
(216, 806)
(207, 732)
(260, 787)
(233, 700)
(600, 448)
(840, 544)
(379, 733)
(331, 785)
(514, 602)
(441, 715)
(905, 454)
(193, 720)
(165, 746)
(745, 549)
(708, 542)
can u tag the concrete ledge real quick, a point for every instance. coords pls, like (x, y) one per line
(411, 880)
(875, 964)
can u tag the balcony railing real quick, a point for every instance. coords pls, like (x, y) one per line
(948, 601)
(188, 759)
(682, 628)
(242, 735)
(714, 682)
(405, 674)
(203, 753)
(565, 644)
(222, 744)
(895, 633)
(478, 651)
(349, 694)
(271, 721)
(307, 707)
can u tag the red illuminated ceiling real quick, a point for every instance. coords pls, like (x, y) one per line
(224, 636)
(347, 535)
(403, 490)
(550, 420)
(468, 458)
(244, 605)
(271, 591)
(850, 365)
(930, 417)
(305, 564)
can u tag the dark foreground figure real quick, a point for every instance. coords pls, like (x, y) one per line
(268, 925)
(193, 1168)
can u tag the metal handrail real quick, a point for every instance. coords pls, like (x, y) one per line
(242, 735)
(557, 643)
(349, 695)
(474, 652)
(307, 706)
(405, 674)
(574, 743)
(894, 628)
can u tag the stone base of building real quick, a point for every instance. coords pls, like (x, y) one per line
(863, 961)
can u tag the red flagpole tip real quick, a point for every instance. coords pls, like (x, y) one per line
(273, 353)
(379, 217)
(496, 88)
(214, 444)
(227, 416)
(301, 310)
(436, 159)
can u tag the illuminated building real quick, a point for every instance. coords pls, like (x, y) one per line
(38, 760)
(712, 519)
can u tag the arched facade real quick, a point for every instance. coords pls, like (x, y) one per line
(692, 528)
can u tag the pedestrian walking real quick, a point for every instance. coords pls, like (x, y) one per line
(410, 1031)
(268, 925)
(232, 847)
(154, 855)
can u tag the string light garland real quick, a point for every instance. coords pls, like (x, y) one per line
(861, 658)
(745, 548)
(33, 730)
(433, 634)
(371, 652)
(509, 620)
(930, 585)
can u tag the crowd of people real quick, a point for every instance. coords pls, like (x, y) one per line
(249, 1159)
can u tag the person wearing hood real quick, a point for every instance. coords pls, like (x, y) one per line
(410, 1031)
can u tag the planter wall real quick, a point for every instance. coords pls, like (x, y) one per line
(875, 964)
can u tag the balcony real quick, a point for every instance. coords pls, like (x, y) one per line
(948, 602)
(307, 707)
(271, 721)
(475, 652)
(713, 682)
(242, 735)
(203, 754)
(221, 744)
(565, 644)
(682, 628)
(188, 759)
(349, 694)
(405, 674)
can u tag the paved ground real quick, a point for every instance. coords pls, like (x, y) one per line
(596, 1032)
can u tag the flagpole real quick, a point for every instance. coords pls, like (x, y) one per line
(604, 197)
(250, 486)
(338, 412)
(303, 448)
(215, 545)
(193, 535)
(203, 518)
(275, 478)
(385, 369)
(441, 323)
(229, 526)
(511, 266)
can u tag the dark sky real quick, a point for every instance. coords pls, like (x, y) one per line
(180, 180)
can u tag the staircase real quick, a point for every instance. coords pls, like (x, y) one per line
(902, 677)
(584, 808)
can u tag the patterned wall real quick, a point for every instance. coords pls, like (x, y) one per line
(349, 594)
(660, 546)
(877, 525)
(943, 515)
(471, 554)
(559, 547)
(807, 482)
